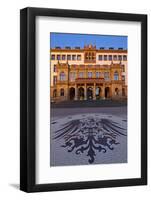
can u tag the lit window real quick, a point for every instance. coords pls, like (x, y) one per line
(100, 57)
(61, 92)
(124, 57)
(115, 57)
(73, 57)
(116, 76)
(53, 57)
(78, 57)
(105, 57)
(58, 57)
(62, 76)
(106, 76)
(63, 57)
(89, 74)
(110, 57)
(68, 57)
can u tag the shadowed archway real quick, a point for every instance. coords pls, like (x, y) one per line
(81, 93)
(89, 93)
(72, 93)
(107, 92)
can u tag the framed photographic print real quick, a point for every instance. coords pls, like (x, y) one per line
(83, 99)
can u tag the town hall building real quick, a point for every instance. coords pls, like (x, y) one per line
(88, 73)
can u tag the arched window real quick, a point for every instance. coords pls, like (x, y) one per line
(93, 57)
(89, 56)
(116, 76)
(86, 56)
(62, 76)
(106, 76)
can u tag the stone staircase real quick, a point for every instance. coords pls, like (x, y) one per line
(89, 103)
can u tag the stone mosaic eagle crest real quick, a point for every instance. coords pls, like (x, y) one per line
(90, 134)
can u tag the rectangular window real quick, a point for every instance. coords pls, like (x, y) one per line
(98, 74)
(105, 57)
(100, 57)
(110, 57)
(123, 78)
(125, 58)
(68, 57)
(89, 74)
(72, 76)
(54, 68)
(73, 57)
(119, 57)
(52, 57)
(106, 76)
(58, 57)
(55, 80)
(63, 57)
(78, 57)
(123, 68)
(115, 57)
(81, 74)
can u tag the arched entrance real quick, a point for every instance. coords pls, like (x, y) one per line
(81, 93)
(54, 93)
(107, 92)
(98, 92)
(116, 91)
(72, 93)
(89, 93)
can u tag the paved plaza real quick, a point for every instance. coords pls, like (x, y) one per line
(88, 135)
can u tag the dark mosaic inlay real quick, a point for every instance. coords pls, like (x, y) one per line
(90, 135)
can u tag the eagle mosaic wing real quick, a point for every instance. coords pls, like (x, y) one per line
(112, 127)
(68, 129)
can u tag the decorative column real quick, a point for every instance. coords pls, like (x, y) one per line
(94, 92)
(103, 92)
(85, 91)
(76, 93)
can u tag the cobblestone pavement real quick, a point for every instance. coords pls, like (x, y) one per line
(81, 136)
(62, 112)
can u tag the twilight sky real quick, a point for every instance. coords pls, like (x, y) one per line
(73, 40)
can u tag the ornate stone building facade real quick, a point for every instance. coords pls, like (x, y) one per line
(88, 73)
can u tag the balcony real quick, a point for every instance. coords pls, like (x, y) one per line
(90, 80)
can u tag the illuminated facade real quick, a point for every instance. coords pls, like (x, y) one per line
(88, 73)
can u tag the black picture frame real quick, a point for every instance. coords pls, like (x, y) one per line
(28, 99)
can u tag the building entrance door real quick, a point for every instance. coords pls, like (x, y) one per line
(72, 93)
(98, 92)
(81, 93)
(107, 92)
(89, 93)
